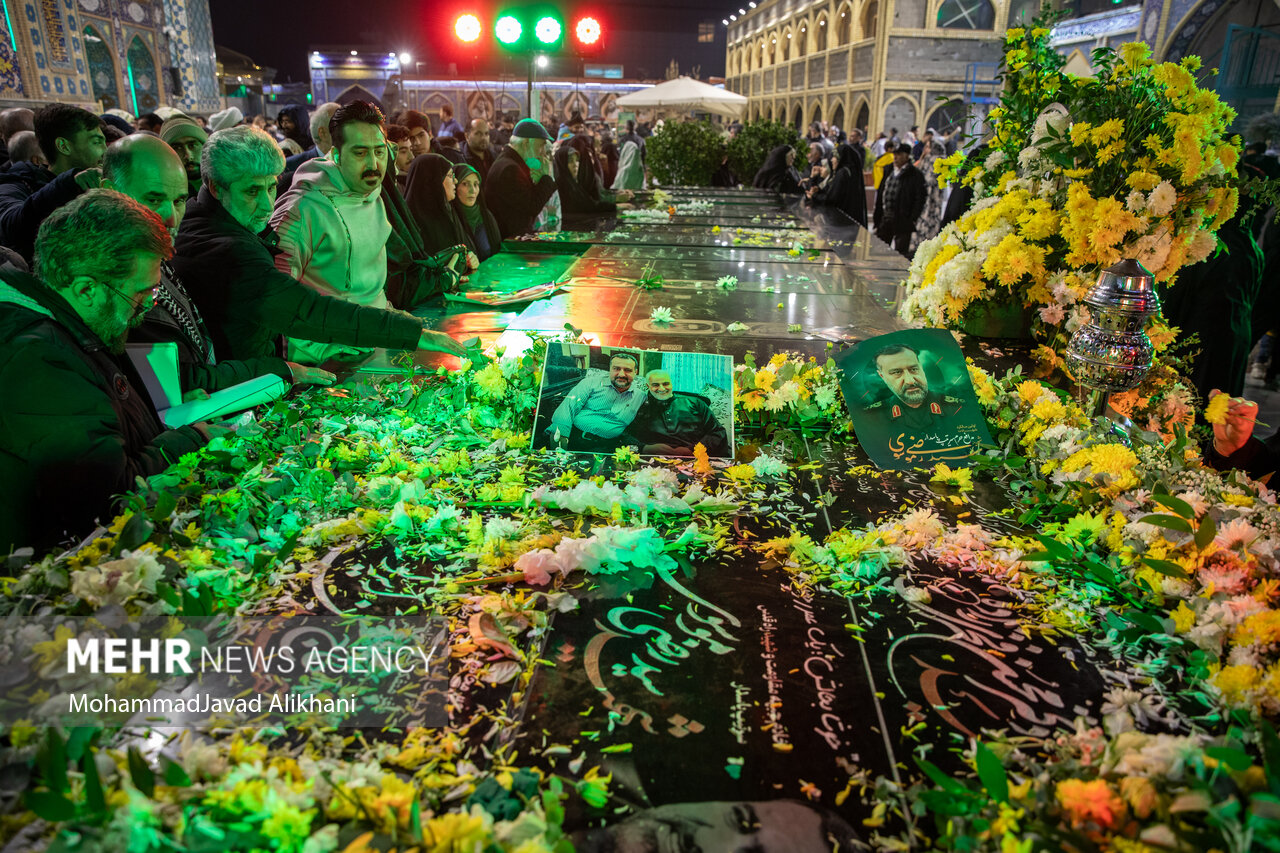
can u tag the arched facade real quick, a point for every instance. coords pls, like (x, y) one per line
(102, 68)
(844, 25)
(868, 64)
(81, 52)
(141, 66)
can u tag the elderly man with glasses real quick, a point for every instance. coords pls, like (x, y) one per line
(77, 426)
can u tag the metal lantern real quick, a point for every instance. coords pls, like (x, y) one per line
(1112, 351)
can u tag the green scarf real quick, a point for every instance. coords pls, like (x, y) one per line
(472, 216)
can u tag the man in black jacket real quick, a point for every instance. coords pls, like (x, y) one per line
(520, 180)
(900, 201)
(72, 141)
(77, 425)
(476, 151)
(149, 172)
(228, 263)
(673, 423)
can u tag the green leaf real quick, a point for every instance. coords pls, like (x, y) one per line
(93, 795)
(1208, 530)
(1270, 746)
(78, 740)
(1169, 522)
(52, 761)
(1165, 567)
(1176, 505)
(166, 503)
(939, 778)
(992, 773)
(1036, 557)
(1057, 550)
(144, 778)
(49, 806)
(1237, 759)
(174, 774)
(136, 530)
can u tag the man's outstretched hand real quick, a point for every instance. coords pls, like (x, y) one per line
(304, 375)
(440, 342)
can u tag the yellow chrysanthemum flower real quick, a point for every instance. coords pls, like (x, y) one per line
(1216, 411)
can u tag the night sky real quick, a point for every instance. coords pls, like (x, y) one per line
(643, 35)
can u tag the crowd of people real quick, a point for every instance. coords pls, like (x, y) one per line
(255, 247)
(909, 206)
(261, 247)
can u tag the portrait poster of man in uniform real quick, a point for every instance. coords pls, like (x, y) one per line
(598, 399)
(911, 400)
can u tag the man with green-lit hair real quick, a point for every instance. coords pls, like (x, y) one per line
(77, 426)
(226, 257)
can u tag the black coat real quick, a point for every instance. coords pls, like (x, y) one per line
(424, 193)
(482, 162)
(580, 195)
(909, 204)
(683, 421)
(413, 274)
(248, 303)
(1215, 299)
(512, 196)
(847, 188)
(492, 235)
(28, 194)
(776, 175)
(76, 427)
(176, 318)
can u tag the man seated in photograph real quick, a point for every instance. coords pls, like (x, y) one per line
(913, 407)
(672, 423)
(593, 416)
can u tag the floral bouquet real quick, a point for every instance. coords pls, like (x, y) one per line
(788, 391)
(1078, 174)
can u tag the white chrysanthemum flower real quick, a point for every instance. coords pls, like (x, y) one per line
(768, 466)
(661, 315)
(1029, 159)
(1136, 202)
(1162, 199)
(499, 528)
(1202, 246)
(1054, 116)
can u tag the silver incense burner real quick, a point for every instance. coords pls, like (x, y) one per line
(1112, 351)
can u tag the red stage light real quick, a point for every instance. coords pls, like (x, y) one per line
(587, 30)
(467, 27)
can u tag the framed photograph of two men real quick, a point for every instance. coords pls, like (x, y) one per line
(598, 399)
(911, 400)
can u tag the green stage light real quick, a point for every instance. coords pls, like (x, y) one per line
(508, 29)
(547, 30)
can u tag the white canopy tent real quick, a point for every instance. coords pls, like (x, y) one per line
(686, 93)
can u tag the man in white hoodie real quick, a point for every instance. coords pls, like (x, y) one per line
(332, 224)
